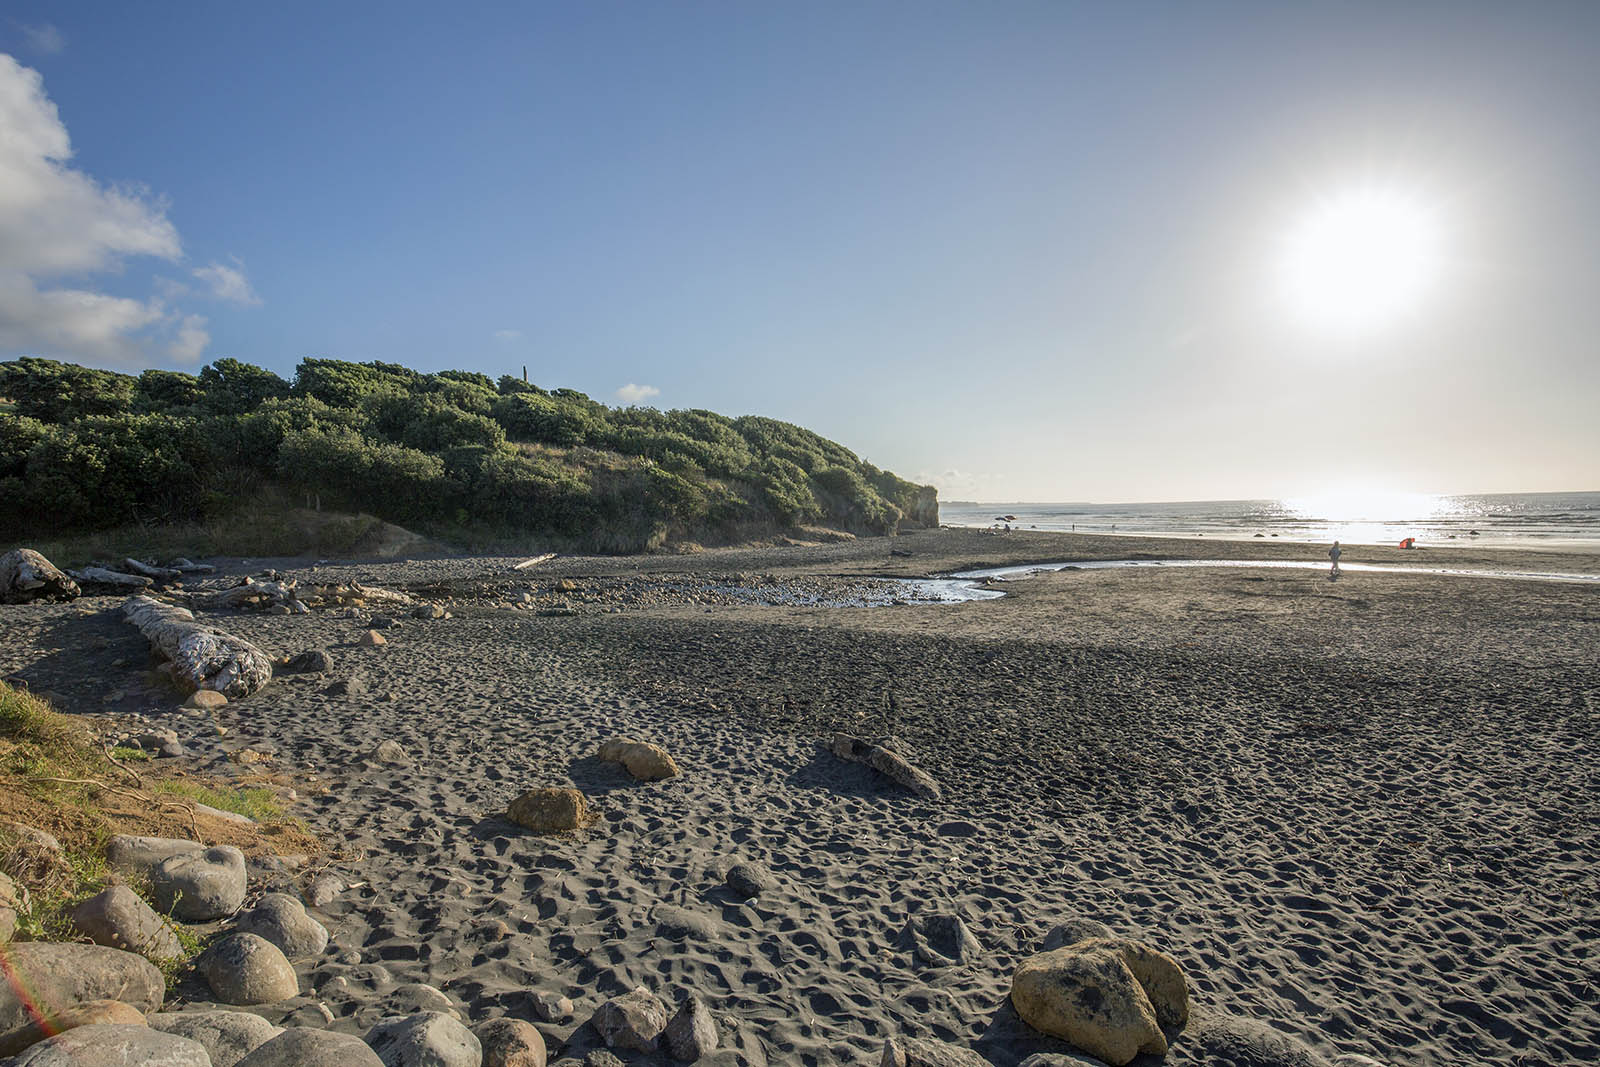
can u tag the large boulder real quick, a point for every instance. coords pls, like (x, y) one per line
(634, 1020)
(282, 919)
(95, 1012)
(114, 1045)
(228, 1036)
(119, 918)
(200, 886)
(1110, 997)
(646, 762)
(66, 976)
(426, 1039)
(139, 856)
(510, 1043)
(245, 969)
(26, 576)
(312, 1048)
(549, 810)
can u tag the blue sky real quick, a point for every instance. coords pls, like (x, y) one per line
(1026, 251)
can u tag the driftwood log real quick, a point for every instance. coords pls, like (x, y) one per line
(103, 576)
(887, 763)
(27, 576)
(158, 574)
(254, 594)
(186, 566)
(534, 562)
(201, 657)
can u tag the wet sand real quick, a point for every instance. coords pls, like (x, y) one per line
(1362, 812)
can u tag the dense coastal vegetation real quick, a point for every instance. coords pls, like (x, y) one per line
(455, 454)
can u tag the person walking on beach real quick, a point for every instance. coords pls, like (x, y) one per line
(1333, 554)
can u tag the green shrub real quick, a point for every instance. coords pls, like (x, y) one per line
(234, 388)
(55, 392)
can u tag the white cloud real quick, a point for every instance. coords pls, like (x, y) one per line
(228, 283)
(57, 227)
(508, 335)
(43, 39)
(191, 340)
(636, 394)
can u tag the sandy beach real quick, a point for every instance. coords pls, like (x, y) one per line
(1363, 813)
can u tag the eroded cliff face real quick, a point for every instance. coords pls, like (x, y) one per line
(925, 510)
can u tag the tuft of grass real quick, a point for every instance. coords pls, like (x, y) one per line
(130, 754)
(259, 804)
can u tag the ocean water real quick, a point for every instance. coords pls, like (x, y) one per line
(1502, 520)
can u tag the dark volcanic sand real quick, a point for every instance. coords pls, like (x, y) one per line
(1364, 812)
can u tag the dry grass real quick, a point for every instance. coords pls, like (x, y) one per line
(56, 777)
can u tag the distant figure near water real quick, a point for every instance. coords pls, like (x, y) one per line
(1333, 554)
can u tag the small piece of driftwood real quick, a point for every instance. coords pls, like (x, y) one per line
(534, 562)
(886, 763)
(202, 658)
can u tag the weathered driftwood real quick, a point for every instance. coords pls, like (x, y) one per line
(886, 763)
(26, 576)
(254, 594)
(249, 595)
(159, 574)
(115, 579)
(201, 657)
(534, 562)
(186, 566)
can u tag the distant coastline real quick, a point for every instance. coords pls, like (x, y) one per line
(1564, 521)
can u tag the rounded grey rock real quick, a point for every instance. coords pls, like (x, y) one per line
(282, 919)
(748, 879)
(200, 886)
(119, 918)
(113, 1045)
(141, 855)
(246, 969)
(426, 1039)
(66, 975)
(312, 1048)
(227, 1036)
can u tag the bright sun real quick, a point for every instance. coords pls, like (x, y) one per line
(1361, 260)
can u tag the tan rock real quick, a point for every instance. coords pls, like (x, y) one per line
(549, 810)
(510, 1043)
(205, 700)
(1108, 996)
(644, 761)
(371, 639)
(88, 1013)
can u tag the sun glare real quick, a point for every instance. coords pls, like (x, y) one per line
(1361, 260)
